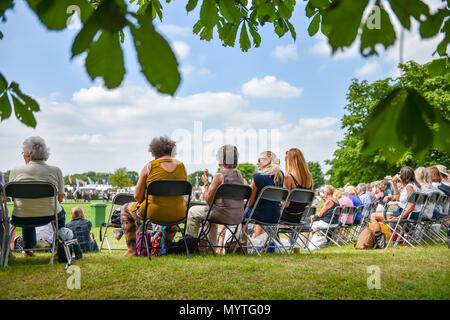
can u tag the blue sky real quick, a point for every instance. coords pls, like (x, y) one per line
(293, 89)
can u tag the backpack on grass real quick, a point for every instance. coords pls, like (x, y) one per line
(366, 239)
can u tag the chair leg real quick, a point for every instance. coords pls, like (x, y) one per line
(183, 233)
(233, 235)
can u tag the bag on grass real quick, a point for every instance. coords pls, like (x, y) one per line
(366, 239)
(115, 217)
(178, 247)
(141, 250)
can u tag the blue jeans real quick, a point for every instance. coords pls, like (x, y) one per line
(29, 233)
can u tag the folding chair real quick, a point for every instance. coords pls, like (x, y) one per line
(228, 191)
(118, 200)
(304, 196)
(166, 188)
(365, 219)
(269, 193)
(427, 219)
(398, 228)
(33, 190)
(333, 227)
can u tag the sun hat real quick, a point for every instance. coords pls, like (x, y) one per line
(442, 169)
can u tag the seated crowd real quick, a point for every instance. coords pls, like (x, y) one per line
(392, 191)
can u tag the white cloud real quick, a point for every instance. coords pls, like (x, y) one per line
(368, 69)
(322, 48)
(180, 48)
(284, 53)
(270, 87)
(103, 129)
(170, 29)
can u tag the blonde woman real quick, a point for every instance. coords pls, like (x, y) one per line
(269, 174)
(343, 200)
(297, 176)
(423, 177)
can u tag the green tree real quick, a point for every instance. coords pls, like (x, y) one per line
(317, 174)
(350, 164)
(193, 180)
(6, 175)
(341, 21)
(120, 178)
(133, 176)
(247, 171)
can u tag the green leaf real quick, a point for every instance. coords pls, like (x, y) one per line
(283, 10)
(27, 100)
(343, 19)
(4, 5)
(230, 11)
(244, 41)
(405, 9)
(292, 30)
(3, 83)
(5, 107)
(439, 67)
(255, 35)
(402, 121)
(105, 59)
(377, 32)
(157, 60)
(228, 33)
(23, 113)
(84, 38)
(208, 13)
(191, 5)
(55, 14)
(110, 15)
(314, 26)
(432, 25)
(319, 4)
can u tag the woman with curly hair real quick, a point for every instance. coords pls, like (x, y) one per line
(159, 208)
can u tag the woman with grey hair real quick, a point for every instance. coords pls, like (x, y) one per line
(36, 211)
(224, 210)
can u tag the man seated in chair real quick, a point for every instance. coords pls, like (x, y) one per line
(224, 210)
(36, 211)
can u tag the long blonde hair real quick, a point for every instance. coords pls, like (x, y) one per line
(273, 168)
(295, 162)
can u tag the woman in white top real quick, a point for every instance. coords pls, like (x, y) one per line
(423, 177)
(405, 208)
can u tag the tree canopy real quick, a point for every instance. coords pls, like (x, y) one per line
(342, 21)
(350, 164)
(317, 174)
(247, 171)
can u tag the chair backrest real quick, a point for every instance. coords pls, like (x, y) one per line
(273, 193)
(122, 198)
(233, 191)
(304, 196)
(169, 188)
(30, 189)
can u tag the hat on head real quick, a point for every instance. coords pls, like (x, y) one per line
(387, 178)
(442, 169)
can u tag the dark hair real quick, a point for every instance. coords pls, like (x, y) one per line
(407, 176)
(228, 156)
(162, 146)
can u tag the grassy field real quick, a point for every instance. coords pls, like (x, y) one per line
(330, 273)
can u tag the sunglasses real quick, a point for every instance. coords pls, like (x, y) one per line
(261, 159)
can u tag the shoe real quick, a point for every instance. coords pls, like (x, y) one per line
(118, 233)
(380, 240)
(28, 254)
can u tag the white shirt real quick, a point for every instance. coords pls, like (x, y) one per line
(37, 170)
(45, 233)
(404, 197)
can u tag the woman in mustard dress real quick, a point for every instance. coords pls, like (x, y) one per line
(161, 209)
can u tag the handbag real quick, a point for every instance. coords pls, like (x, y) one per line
(366, 239)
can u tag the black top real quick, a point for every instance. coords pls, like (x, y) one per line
(296, 207)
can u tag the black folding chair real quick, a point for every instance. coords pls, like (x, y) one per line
(119, 200)
(303, 196)
(270, 193)
(229, 191)
(33, 190)
(166, 188)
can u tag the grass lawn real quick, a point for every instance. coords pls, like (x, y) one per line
(330, 273)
